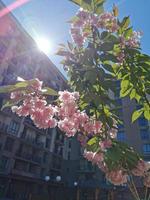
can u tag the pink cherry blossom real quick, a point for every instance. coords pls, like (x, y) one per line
(105, 144)
(97, 127)
(16, 95)
(140, 169)
(146, 180)
(36, 85)
(88, 155)
(65, 96)
(117, 177)
(67, 127)
(98, 158)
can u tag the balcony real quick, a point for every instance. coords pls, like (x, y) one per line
(32, 141)
(29, 157)
(3, 127)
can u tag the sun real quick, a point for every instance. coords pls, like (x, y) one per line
(44, 45)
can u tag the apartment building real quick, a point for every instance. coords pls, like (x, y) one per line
(28, 156)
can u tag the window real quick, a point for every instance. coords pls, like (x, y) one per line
(9, 144)
(69, 144)
(144, 134)
(48, 142)
(121, 136)
(3, 163)
(142, 121)
(146, 148)
(117, 83)
(120, 126)
(119, 102)
(14, 127)
(68, 155)
(117, 93)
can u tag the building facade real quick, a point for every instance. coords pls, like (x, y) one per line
(27, 155)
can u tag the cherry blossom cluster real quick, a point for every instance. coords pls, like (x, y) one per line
(133, 42)
(72, 120)
(118, 176)
(35, 105)
(67, 116)
(81, 30)
(84, 21)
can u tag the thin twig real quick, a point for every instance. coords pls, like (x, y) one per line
(145, 193)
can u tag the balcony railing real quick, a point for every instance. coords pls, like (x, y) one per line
(29, 157)
(32, 141)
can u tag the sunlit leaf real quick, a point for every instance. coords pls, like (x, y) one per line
(136, 114)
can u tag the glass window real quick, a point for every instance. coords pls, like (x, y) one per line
(144, 134)
(142, 121)
(117, 93)
(120, 126)
(146, 148)
(68, 155)
(117, 83)
(69, 144)
(121, 136)
(9, 144)
(14, 127)
(3, 163)
(118, 102)
(48, 142)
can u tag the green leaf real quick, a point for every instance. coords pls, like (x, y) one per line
(128, 33)
(147, 114)
(8, 104)
(136, 114)
(49, 91)
(17, 86)
(125, 23)
(134, 94)
(104, 35)
(115, 10)
(107, 46)
(125, 88)
(78, 2)
(93, 144)
(92, 141)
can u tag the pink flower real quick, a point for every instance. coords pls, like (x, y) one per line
(52, 123)
(83, 118)
(67, 126)
(89, 127)
(97, 158)
(83, 15)
(134, 40)
(140, 169)
(66, 96)
(103, 166)
(17, 95)
(117, 177)
(36, 85)
(67, 110)
(146, 180)
(39, 103)
(108, 21)
(88, 155)
(113, 132)
(105, 144)
(97, 127)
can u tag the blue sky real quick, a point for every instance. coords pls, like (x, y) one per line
(48, 18)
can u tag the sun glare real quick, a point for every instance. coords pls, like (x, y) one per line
(44, 45)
